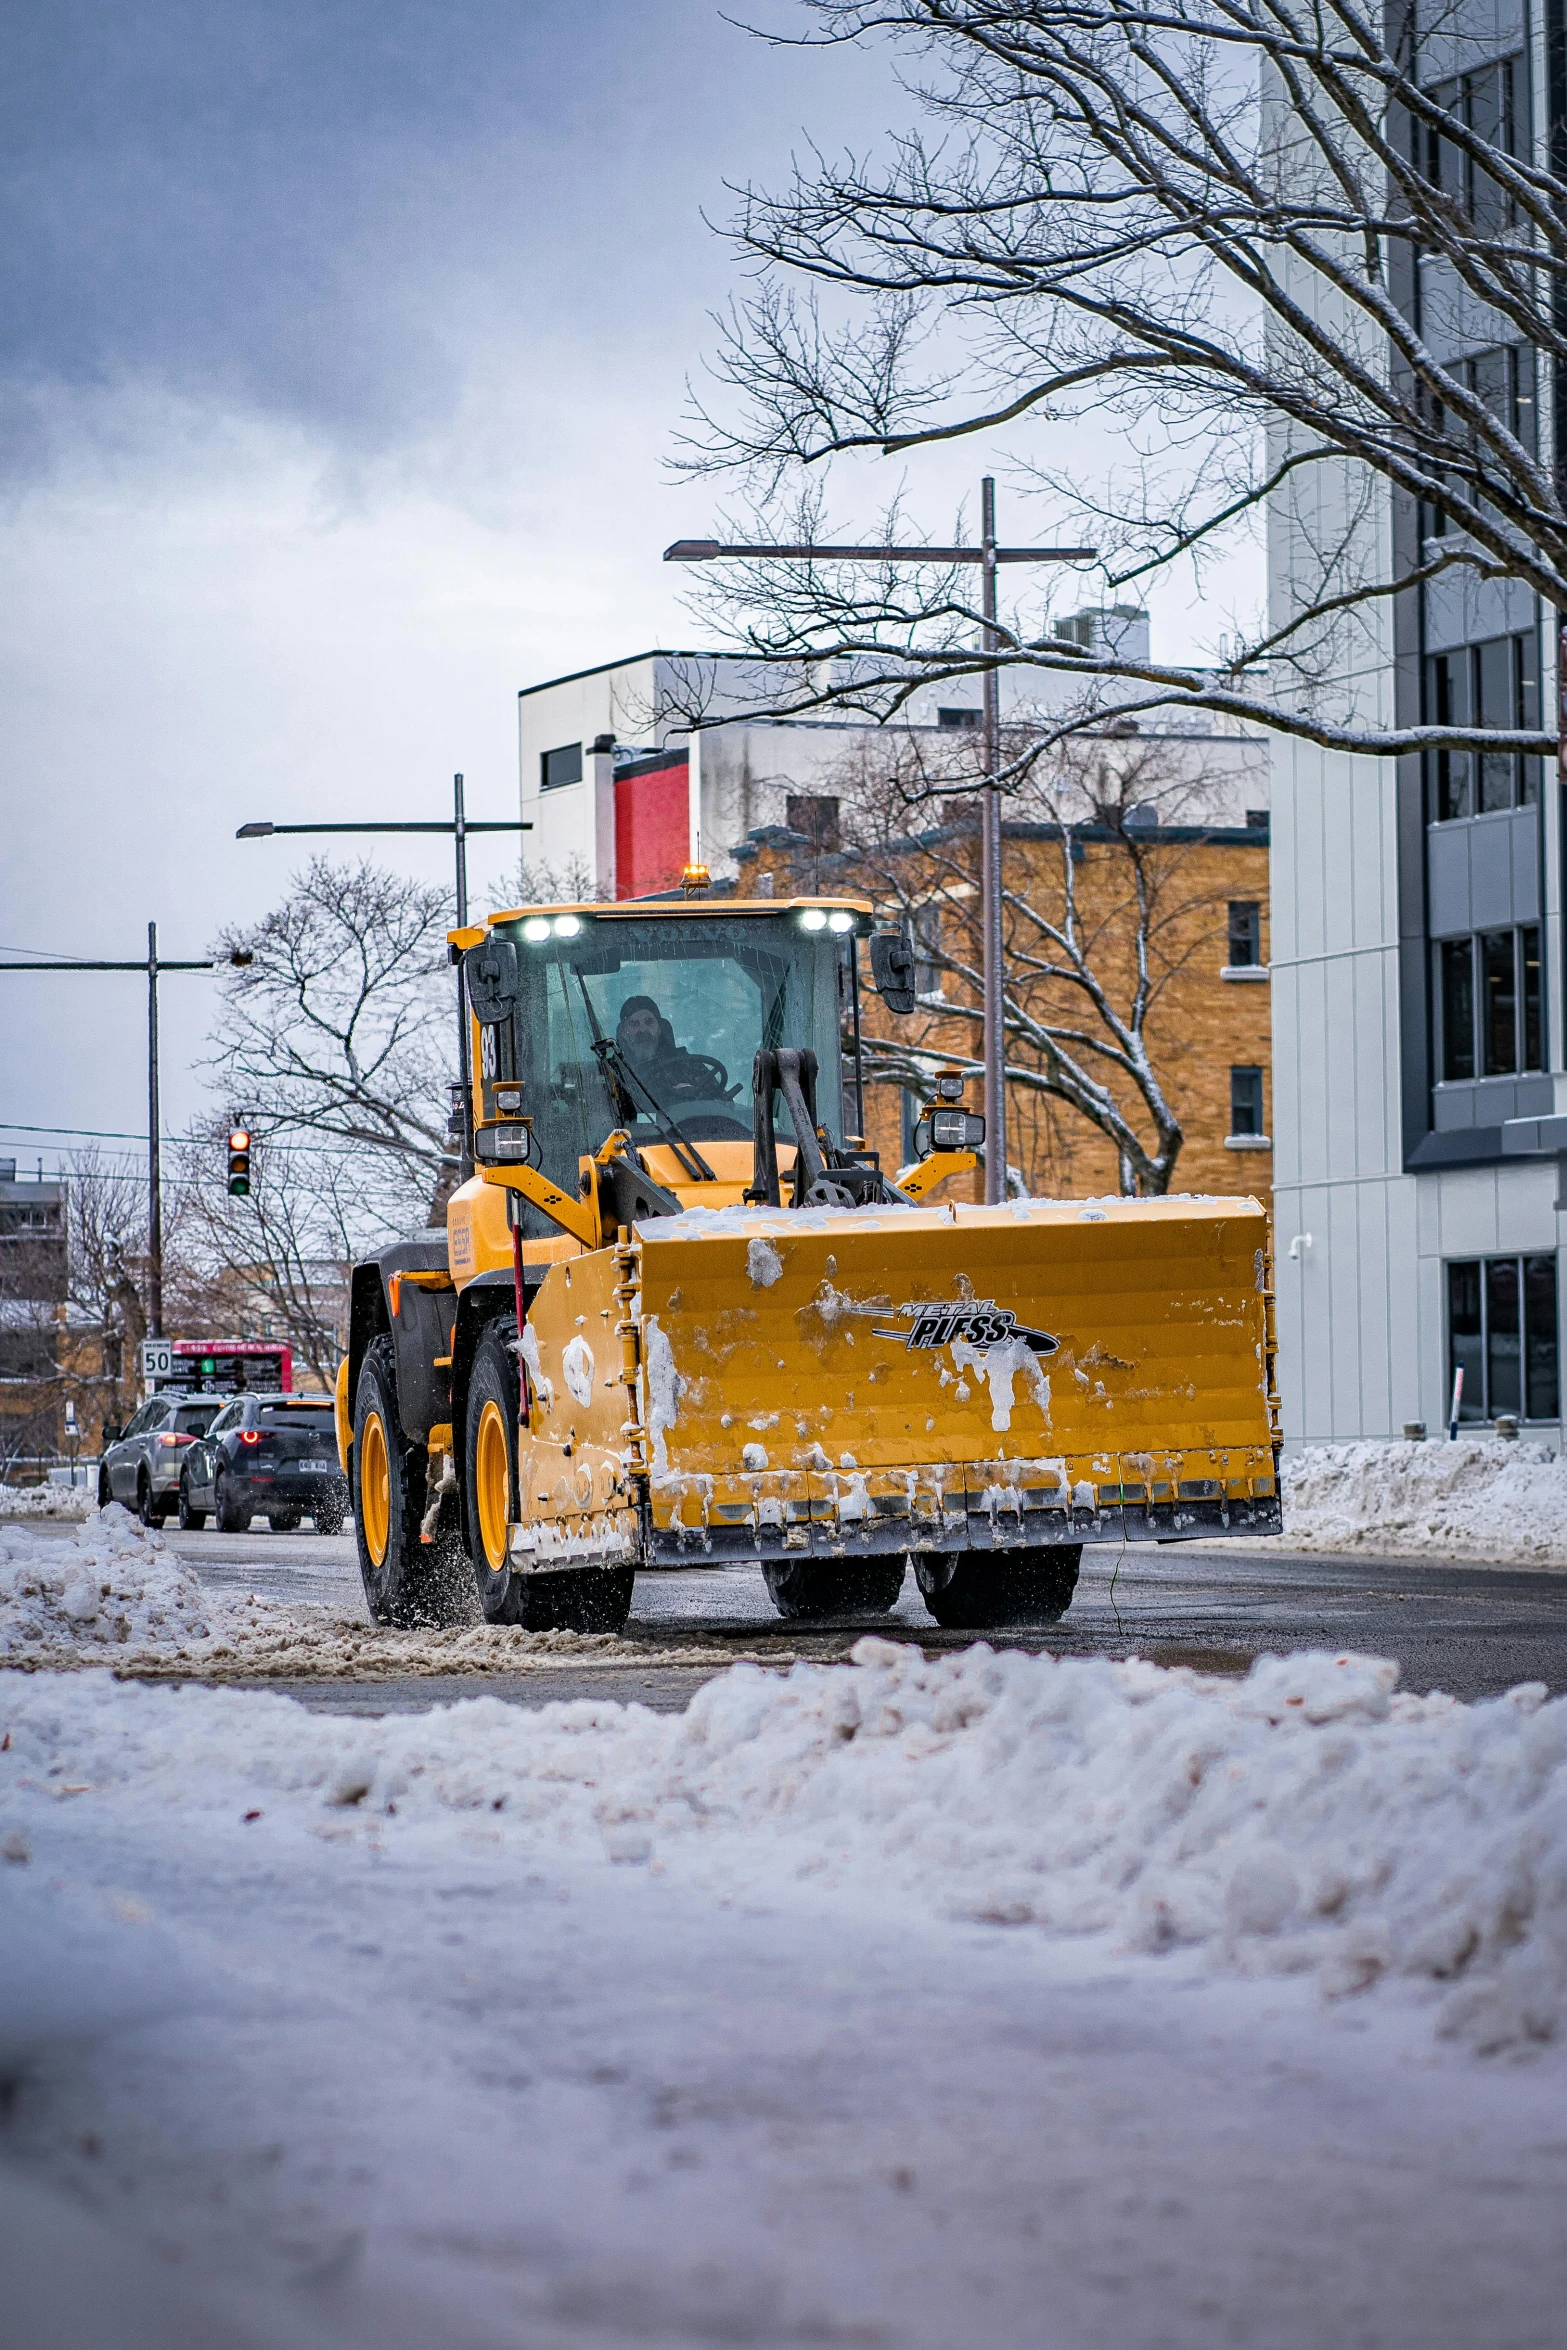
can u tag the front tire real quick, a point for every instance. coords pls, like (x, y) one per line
(407, 1581)
(146, 1508)
(826, 1589)
(977, 1591)
(570, 1599)
(105, 1489)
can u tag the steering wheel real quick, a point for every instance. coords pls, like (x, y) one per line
(712, 1068)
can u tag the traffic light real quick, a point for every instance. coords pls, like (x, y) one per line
(239, 1163)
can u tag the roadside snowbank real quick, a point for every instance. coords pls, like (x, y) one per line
(119, 1585)
(47, 1501)
(1306, 1819)
(116, 1584)
(1477, 1499)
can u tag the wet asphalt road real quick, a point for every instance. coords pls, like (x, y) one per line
(1471, 1630)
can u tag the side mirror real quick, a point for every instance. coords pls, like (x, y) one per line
(491, 975)
(111, 1434)
(892, 968)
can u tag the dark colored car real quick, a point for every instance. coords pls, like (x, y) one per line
(142, 1462)
(271, 1456)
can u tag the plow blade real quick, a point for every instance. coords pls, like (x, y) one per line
(844, 1383)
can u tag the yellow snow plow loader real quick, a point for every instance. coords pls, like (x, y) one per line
(680, 1315)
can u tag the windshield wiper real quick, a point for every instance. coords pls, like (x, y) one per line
(625, 1084)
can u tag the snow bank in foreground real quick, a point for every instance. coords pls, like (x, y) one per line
(1308, 1818)
(1475, 1499)
(116, 1583)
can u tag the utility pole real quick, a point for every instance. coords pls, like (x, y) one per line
(987, 555)
(991, 910)
(458, 829)
(154, 970)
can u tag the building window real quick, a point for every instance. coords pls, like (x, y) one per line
(1494, 684)
(1245, 933)
(1501, 1332)
(959, 718)
(1491, 1009)
(560, 767)
(1246, 1101)
(814, 815)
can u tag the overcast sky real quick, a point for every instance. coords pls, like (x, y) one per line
(342, 347)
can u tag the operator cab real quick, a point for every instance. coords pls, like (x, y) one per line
(648, 1021)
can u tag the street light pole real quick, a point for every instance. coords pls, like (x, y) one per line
(154, 1148)
(988, 556)
(459, 828)
(154, 969)
(990, 877)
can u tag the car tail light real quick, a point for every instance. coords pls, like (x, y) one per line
(176, 1439)
(250, 1436)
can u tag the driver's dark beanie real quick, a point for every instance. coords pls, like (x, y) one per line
(638, 1003)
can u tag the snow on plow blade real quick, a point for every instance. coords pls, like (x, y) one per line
(842, 1382)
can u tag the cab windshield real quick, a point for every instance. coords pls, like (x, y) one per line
(653, 1025)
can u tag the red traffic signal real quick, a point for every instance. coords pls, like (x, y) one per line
(239, 1163)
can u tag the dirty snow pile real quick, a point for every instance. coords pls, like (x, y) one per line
(47, 1501)
(1480, 1498)
(116, 1584)
(1309, 1819)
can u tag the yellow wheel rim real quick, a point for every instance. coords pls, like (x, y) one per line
(375, 1488)
(492, 1484)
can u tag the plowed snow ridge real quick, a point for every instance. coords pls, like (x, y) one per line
(1309, 1818)
(1481, 1498)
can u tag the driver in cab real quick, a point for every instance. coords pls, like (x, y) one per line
(647, 1042)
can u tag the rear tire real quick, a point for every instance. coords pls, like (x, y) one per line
(407, 1581)
(191, 1521)
(105, 1489)
(146, 1509)
(233, 1517)
(826, 1588)
(285, 1521)
(976, 1591)
(329, 1518)
(572, 1599)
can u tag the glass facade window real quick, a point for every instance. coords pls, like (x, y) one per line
(1498, 1004)
(1245, 946)
(1501, 1331)
(1492, 684)
(1458, 1008)
(1492, 1016)
(1246, 1101)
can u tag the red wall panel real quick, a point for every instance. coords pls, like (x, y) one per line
(652, 829)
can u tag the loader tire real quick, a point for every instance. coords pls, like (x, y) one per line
(407, 1581)
(976, 1591)
(830, 1588)
(570, 1599)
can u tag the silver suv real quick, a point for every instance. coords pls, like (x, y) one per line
(141, 1464)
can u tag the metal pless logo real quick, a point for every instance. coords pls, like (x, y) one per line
(977, 1321)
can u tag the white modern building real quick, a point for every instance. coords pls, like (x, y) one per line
(622, 790)
(1420, 1116)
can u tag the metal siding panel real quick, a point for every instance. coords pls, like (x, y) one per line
(1447, 880)
(1490, 872)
